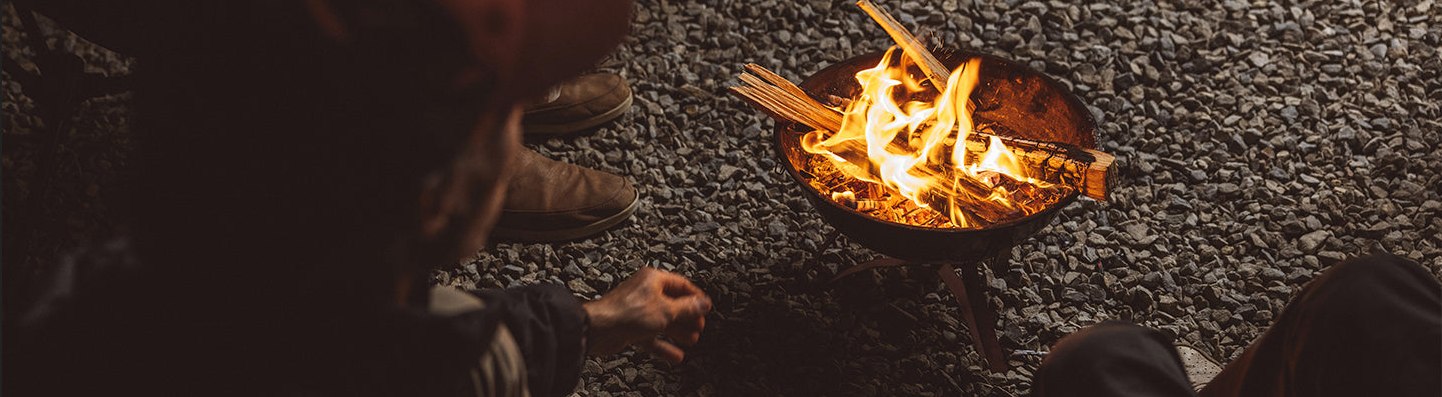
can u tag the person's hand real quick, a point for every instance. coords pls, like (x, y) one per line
(650, 304)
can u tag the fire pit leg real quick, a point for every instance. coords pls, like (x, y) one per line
(970, 296)
(825, 244)
(979, 316)
(883, 262)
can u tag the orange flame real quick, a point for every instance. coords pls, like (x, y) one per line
(890, 137)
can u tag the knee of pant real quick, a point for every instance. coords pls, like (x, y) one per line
(1359, 279)
(1107, 339)
(1110, 356)
(1374, 288)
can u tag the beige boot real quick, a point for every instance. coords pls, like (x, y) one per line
(578, 104)
(549, 200)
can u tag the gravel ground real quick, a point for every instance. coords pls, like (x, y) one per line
(1256, 143)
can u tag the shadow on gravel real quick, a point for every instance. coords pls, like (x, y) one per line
(869, 334)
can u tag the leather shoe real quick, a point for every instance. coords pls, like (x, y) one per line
(578, 104)
(550, 200)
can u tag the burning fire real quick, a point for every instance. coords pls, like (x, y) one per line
(901, 134)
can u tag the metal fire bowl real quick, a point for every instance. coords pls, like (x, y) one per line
(1021, 102)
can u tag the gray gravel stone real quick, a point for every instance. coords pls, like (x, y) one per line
(1311, 241)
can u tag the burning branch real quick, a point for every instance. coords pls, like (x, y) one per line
(926, 152)
(973, 197)
(1086, 169)
(934, 70)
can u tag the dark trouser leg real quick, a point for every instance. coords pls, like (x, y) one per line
(1370, 326)
(1112, 358)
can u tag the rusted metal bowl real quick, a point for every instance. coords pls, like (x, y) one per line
(1018, 100)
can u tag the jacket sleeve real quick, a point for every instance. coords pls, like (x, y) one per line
(549, 328)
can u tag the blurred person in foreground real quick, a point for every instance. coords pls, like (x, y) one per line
(1370, 326)
(301, 166)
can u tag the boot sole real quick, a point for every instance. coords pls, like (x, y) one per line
(562, 129)
(1200, 368)
(548, 236)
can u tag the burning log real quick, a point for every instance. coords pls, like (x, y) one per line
(848, 199)
(1086, 169)
(930, 66)
(992, 198)
(1054, 162)
(968, 199)
(975, 198)
(1031, 197)
(927, 150)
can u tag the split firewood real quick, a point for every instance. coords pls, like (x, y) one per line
(930, 66)
(958, 190)
(1086, 169)
(1029, 197)
(969, 199)
(966, 200)
(849, 200)
(792, 89)
(781, 105)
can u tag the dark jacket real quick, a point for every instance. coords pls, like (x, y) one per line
(106, 330)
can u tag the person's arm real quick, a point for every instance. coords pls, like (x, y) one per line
(651, 304)
(553, 330)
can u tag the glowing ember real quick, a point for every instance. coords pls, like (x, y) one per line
(902, 134)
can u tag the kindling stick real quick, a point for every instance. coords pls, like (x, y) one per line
(934, 70)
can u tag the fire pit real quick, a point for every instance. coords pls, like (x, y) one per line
(1022, 104)
(1025, 104)
(932, 162)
